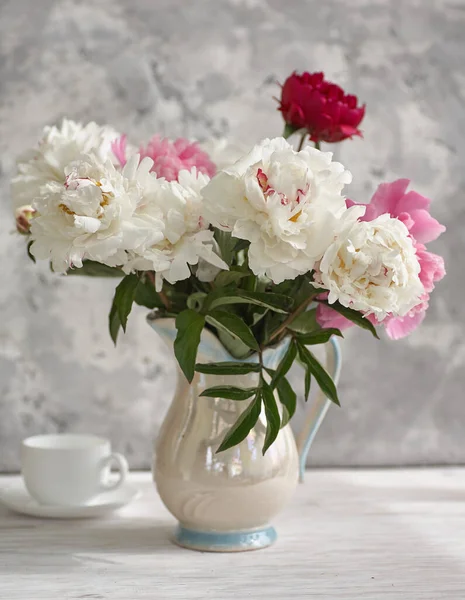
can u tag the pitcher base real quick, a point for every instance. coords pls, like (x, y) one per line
(215, 541)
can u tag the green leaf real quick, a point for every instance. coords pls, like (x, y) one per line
(308, 373)
(189, 325)
(177, 299)
(241, 245)
(234, 345)
(122, 304)
(352, 315)
(288, 399)
(270, 372)
(308, 383)
(258, 314)
(91, 268)
(241, 428)
(147, 296)
(305, 322)
(131, 289)
(234, 326)
(124, 297)
(304, 290)
(316, 369)
(289, 287)
(276, 302)
(195, 300)
(285, 364)
(273, 420)
(249, 284)
(271, 322)
(320, 336)
(227, 368)
(229, 392)
(225, 278)
(31, 256)
(226, 245)
(289, 130)
(114, 323)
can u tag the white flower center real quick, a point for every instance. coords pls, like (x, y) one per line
(285, 203)
(292, 196)
(85, 196)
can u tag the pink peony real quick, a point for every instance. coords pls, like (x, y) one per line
(432, 267)
(409, 207)
(412, 209)
(118, 147)
(327, 317)
(169, 157)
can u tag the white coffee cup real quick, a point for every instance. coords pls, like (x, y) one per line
(69, 469)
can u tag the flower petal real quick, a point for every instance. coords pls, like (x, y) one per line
(399, 327)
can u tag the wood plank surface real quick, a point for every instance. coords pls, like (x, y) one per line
(348, 534)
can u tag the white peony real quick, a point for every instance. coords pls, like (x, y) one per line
(58, 147)
(91, 214)
(186, 238)
(286, 203)
(372, 267)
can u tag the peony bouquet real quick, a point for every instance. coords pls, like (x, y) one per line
(264, 250)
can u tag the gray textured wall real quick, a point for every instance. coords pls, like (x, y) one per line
(208, 68)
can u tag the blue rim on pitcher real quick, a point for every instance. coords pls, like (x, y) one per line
(214, 541)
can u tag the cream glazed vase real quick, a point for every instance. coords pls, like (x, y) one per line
(225, 502)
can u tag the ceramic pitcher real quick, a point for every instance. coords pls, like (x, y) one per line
(225, 502)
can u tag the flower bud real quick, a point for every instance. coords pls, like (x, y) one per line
(23, 216)
(310, 102)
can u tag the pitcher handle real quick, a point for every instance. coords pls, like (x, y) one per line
(318, 409)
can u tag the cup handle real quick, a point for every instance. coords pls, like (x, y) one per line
(122, 465)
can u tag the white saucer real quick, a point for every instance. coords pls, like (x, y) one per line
(17, 498)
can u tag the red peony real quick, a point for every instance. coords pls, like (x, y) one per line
(310, 102)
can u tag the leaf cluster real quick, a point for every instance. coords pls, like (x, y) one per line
(248, 314)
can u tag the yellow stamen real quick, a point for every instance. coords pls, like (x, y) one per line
(105, 199)
(295, 217)
(66, 209)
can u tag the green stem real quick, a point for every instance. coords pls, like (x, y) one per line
(317, 145)
(302, 140)
(262, 367)
(300, 309)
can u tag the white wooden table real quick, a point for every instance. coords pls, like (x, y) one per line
(349, 535)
